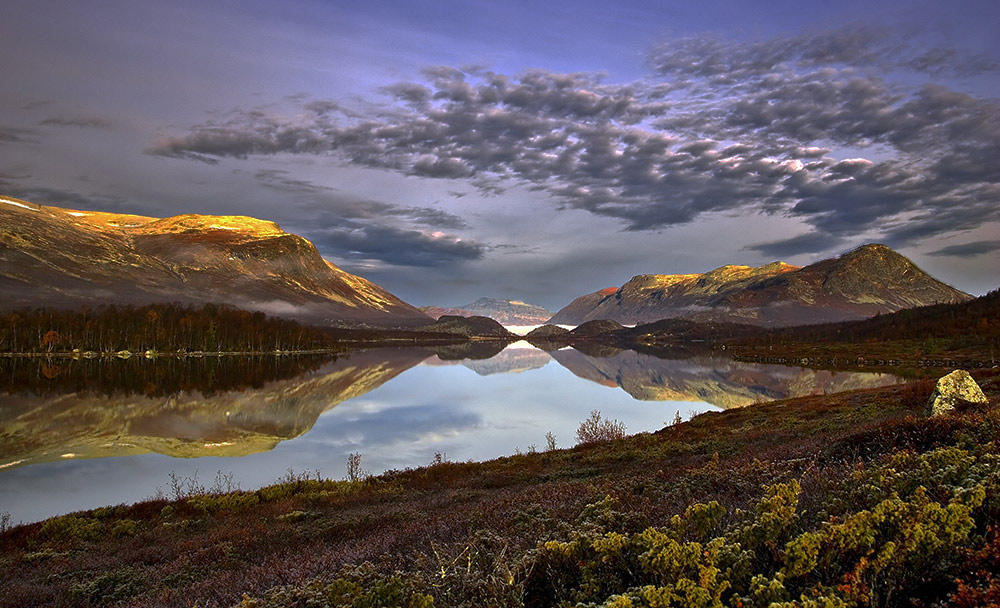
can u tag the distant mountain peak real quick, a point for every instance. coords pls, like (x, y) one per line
(508, 312)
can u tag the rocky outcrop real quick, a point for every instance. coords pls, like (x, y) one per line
(593, 329)
(473, 327)
(64, 258)
(859, 284)
(547, 332)
(956, 390)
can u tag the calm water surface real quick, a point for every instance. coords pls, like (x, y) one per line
(81, 434)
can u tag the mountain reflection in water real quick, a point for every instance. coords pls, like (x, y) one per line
(60, 419)
(76, 415)
(238, 406)
(720, 381)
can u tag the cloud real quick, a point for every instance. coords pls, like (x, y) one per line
(410, 424)
(860, 45)
(347, 239)
(67, 198)
(323, 198)
(809, 127)
(17, 135)
(968, 250)
(91, 122)
(810, 242)
(246, 133)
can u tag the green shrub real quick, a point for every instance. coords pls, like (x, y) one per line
(71, 528)
(110, 587)
(901, 527)
(212, 503)
(125, 527)
(344, 592)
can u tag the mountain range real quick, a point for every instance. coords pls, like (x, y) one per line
(63, 258)
(507, 312)
(869, 280)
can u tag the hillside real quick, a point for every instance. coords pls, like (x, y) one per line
(861, 283)
(65, 258)
(967, 331)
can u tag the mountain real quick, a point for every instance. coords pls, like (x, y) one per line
(507, 312)
(859, 284)
(579, 310)
(61, 258)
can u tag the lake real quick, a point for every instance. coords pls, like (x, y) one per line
(81, 434)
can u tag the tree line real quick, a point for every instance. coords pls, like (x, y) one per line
(158, 327)
(159, 377)
(975, 322)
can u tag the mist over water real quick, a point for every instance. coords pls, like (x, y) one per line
(83, 434)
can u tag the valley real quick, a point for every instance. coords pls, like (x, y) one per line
(150, 348)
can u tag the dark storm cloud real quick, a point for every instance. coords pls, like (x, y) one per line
(322, 198)
(968, 250)
(246, 133)
(352, 240)
(742, 126)
(809, 242)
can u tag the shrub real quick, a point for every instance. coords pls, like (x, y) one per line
(110, 587)
(595, 429)
(71, 527)
(213, 503)
(125, 527)
(354, 471)
(349, 591)
(905, 538)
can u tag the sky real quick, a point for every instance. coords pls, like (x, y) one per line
(523, 150)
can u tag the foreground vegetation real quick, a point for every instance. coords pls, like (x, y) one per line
(853, 499)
